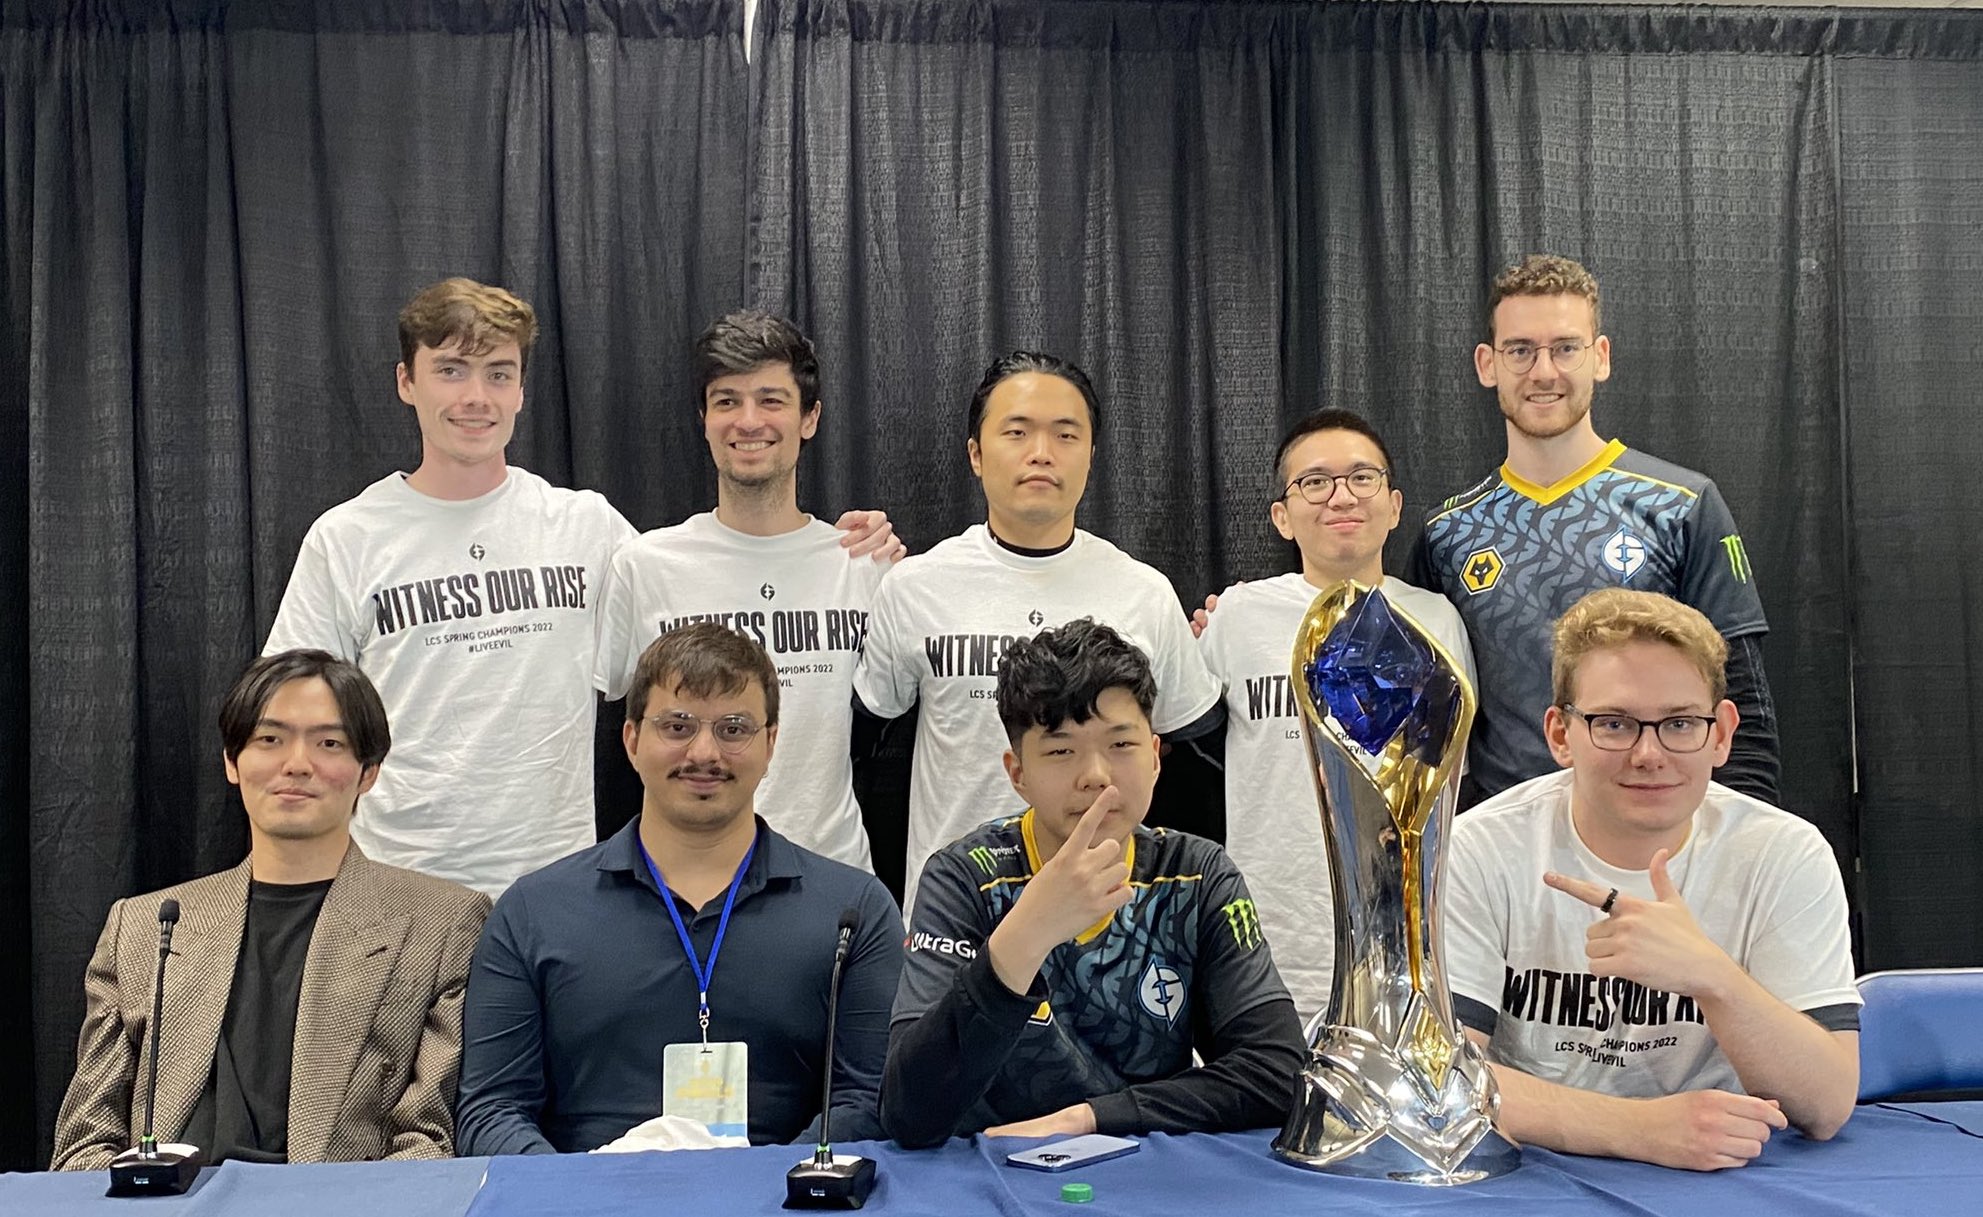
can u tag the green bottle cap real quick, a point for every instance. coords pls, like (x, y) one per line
(1077, 1193)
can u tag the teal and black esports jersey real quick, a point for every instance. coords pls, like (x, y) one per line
(1513, 556)
(1114, 1015)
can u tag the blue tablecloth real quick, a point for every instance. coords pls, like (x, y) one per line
(1886, 1161)
(353, 1189)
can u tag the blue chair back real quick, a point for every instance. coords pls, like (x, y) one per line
(1921, 1031)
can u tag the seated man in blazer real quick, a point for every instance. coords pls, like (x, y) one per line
(313, 1010)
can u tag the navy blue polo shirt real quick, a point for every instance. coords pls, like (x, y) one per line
(580, 983)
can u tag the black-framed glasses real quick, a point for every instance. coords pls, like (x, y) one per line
(1565, 356)
(1621, 732)
(733, 732)
(1317, 487)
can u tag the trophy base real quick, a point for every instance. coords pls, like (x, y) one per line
(1384, 1158)
(1363, 1110)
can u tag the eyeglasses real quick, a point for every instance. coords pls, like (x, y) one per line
(1567, 356)
(733, 732)
(1621, 732)
(1319, 488)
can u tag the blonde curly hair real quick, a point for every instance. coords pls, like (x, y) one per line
(1615, 616)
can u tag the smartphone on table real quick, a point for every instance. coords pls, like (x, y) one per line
(1073, 1152)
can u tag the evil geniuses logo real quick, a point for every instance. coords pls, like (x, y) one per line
(1624, 553)
(1161, 991)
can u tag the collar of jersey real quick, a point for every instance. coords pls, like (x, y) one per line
(1546, 495)
(1033, 864)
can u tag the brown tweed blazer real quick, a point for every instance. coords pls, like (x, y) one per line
(378, 1029)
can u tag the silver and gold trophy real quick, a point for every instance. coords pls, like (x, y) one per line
(1393, 1089)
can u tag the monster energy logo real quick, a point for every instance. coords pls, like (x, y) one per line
(982, 855)
(1244, 922)
(1738, 557)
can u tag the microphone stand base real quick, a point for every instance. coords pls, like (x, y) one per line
(842, 1183)
(167, 1171)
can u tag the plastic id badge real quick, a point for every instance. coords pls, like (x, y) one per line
(1073, 1152)
(710, 1084)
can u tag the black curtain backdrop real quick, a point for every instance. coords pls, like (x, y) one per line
(937, 183)
(213, 214)
(1230, 213)
(1234, 214)
(1911, 253)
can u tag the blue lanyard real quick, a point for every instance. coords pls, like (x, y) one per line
(703, 971)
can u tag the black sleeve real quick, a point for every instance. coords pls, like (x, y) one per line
(1190, 794)
(1843, 1017)
(883, 755)
(1213, 718)
(1716, 578)
(955, 1022)
(1753, 761)
(864, 717)
(1419, 568)
(870, 731)
(503, 1092)
(1477, 1015)
(941, 1062)
(1247, 1081)
(1243, 1023)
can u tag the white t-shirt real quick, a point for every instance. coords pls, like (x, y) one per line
(942, 620)
(1759, 881)
(806, 603)
(474, 619)
(1273, 820)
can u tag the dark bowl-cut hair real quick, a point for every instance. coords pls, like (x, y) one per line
(1328, 420)
(1005, 367)
(704, 659)
(359, 709)
(1059, 675)
(746, 341)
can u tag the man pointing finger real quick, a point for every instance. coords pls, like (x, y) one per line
(1066, 963)
(1679, 985)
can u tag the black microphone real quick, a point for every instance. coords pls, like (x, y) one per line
(824, 1181)
(850, 920)
(148, 1168)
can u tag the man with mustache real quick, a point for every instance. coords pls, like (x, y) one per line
(1569, 513)
(681, 967)
(760, 565)
(941, 620)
